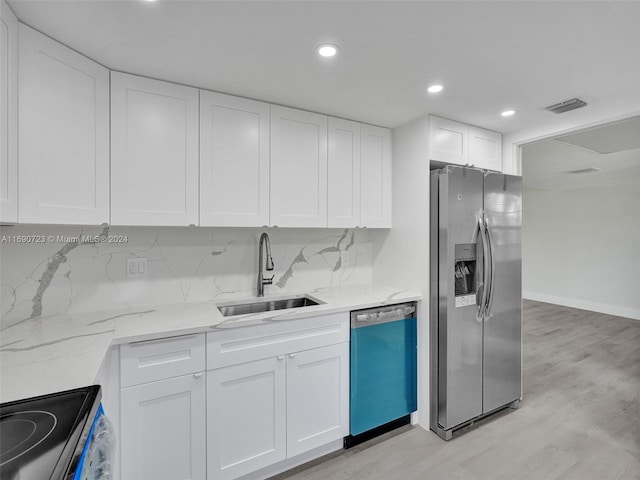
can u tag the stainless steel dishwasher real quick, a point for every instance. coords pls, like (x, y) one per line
(383, 383)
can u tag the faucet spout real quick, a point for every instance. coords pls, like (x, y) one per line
(268, 265)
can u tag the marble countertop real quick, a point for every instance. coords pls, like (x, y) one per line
(49, 354)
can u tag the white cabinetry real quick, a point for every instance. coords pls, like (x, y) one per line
(234, 161)
(376, 177)
(460, 144)
(246, 417)
(359, 186)
(163, 432)
(298, 168)
(485, 149)
(343, 174)
(154, 152)
(317, 389)
(275, 392)
(8, 115)
(448, 141)
(63, 134)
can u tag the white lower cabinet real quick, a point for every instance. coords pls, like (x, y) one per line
(273, 396)
(317, 393)
(162, 421)
(265, 411)
(262, 412)
(246, 418)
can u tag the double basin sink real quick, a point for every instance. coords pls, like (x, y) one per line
(266, 306)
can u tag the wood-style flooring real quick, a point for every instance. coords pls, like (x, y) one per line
(579, 418)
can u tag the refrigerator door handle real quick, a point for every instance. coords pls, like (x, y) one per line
(492, 275)
(482, 306)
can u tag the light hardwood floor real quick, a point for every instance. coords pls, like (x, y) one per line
(579, 419)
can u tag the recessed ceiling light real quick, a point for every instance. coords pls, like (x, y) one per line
(327, 50)
(508, 113)
(435, 88)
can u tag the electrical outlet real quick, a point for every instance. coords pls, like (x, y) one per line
(137, 267)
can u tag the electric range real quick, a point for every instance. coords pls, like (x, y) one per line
(44, 437)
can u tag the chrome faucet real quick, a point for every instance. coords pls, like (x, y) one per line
(264, 239)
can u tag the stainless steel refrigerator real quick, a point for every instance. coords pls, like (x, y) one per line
(476, 295)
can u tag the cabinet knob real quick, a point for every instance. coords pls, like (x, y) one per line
(292, 355)
(197, 375)
(280, 357)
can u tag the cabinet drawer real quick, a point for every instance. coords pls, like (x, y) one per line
(242, 345)
(144, 362)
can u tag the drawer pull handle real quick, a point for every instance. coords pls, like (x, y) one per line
(197, 375)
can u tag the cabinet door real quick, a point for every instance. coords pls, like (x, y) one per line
(485, 149)
(448, 141)
(154, 152)
(317, 397)
(234, 161)
(163, 430)
(376, 177)
(298, 168)
(63, 134)
(8, 115)
(245, 418)
(343, 174)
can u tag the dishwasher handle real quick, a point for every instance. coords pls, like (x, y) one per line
(373, 317)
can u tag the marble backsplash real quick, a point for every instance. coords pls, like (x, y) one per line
(47, 270)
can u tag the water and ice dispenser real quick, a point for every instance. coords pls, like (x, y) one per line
(465, 274)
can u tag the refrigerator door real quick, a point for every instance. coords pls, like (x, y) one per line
(459, 330)
(502, 326)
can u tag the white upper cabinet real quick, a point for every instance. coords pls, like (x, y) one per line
(376, 177)
(343, 174)
(8, 115)
(485, 149)
(63, 134)
(154, 152)
(460, 144)
(298, 168)
(448, 141)
(234, 161)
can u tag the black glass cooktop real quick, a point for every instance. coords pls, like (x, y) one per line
(42, 437)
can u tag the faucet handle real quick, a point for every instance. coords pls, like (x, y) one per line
(268, 281)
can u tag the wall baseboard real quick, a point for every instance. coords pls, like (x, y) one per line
(616, 310)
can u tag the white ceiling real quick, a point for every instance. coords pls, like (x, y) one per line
(490, 55)
(546, 163)
(611, 138)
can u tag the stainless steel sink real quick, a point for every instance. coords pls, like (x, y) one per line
(266, 306)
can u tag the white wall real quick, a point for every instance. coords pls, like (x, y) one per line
(184, 265)
(580, 248)
(401, 255)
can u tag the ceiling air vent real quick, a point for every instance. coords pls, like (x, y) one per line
(584, 170)
(566, 105)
